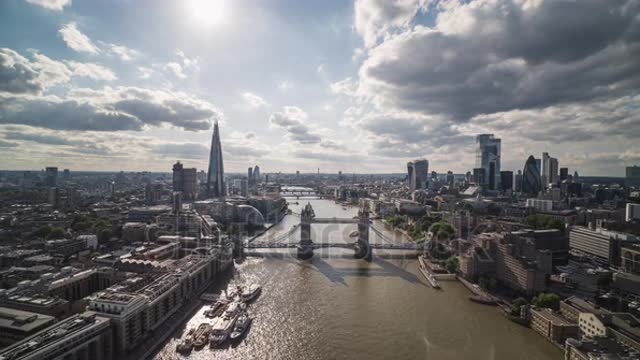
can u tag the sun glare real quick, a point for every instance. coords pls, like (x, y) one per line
(207, 12)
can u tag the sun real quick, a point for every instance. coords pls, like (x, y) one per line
(207, 12)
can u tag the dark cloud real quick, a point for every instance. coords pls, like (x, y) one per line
(64, 115)
(49, 139)
(109, 109)
(7, 144)
(20, 75)
(485, 57)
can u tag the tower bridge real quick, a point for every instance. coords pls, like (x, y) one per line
(305, 248)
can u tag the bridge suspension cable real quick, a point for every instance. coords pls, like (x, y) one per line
(280, 237)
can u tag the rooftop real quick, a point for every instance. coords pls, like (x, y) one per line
(22, 320)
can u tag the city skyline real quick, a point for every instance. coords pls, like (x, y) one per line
(84, 91)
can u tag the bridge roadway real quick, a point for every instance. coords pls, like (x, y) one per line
(405, 246)
(334, 221)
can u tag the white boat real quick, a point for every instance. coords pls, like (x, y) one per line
(241, 326)
(427, 274)
(223, 326)
(250, 293)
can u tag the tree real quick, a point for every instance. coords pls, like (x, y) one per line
(547, 300)
(544, 222)
(42, 232)
(453, 264)
(81, 226)
(56, 233)
(517, 304)
(104, 235)
(487, 283)
(442, 230)
(395, 221)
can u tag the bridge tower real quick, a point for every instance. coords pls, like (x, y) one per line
(362, 248)
(305, 248)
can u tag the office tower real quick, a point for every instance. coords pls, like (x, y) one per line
(506, 180)
(51, 176)
(450, 178)
(54, 197)
(256, 174)
(518, 181)
(176, 200)
(411, 176)
(185, 181)
(250, 176)
(340, 175)
(488, 158)
(632, 212)
(576, 177)
(531, 177)
(564, 174)
(553, 171)
(545, 171)
(66, 174)
(215, 176)
(479, 176)
(153, 193)
(418, 172)
(632, 176)
(244, 187)
(468, 177)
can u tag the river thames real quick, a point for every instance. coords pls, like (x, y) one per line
(336, 307)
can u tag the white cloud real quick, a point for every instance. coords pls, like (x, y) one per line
(91, 70)
(56, 5)
(347, 87)
(76, 40)
(254, 100)
(293, 120)
(375, 19)
(145, 72)
(121, 51)
(175, 69)
(183, 64)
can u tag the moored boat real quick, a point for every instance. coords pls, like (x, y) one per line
(185, 346)
(427, 274)
(241, 326)
(224, 325)
(251, 292)
(199, 338)
(216, 308)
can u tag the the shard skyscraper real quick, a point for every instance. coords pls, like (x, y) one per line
(215, 176)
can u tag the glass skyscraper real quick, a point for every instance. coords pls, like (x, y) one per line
(417, 172)
(215, 176)
(488, 158)
(531, 177)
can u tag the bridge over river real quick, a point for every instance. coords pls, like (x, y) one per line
(305, 247)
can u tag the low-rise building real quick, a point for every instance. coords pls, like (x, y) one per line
(552, 326)
(596, 349)
(16, 325)
(85, 336)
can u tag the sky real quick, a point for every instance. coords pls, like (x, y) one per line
(357, 87)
